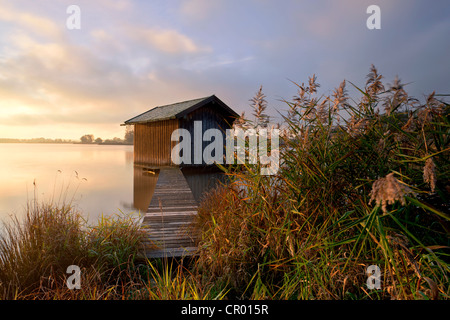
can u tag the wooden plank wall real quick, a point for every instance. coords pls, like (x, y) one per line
(152, 142)
(210, 119)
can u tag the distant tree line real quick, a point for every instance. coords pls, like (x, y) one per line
(86, 139)
(128, 139)
(35, 140)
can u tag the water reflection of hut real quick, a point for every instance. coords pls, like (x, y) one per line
(169, 193)
(200, 180)
(144, 184)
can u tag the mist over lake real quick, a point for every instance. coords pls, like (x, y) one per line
(96, 179)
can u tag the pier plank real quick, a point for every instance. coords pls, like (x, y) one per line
(168, 220)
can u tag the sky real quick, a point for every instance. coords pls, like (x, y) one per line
(129, 56)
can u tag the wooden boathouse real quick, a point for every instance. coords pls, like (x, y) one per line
(172, 208)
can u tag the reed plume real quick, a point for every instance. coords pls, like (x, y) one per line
(374, 85)
(259, 105)
(429, 173)
(388, 190)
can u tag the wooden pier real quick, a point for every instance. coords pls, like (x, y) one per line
(169, 218)
(173, 206)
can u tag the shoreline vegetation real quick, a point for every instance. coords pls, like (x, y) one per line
(364, 181)
(37, 140)
(114, 141)
(85, 139)
(63, 141)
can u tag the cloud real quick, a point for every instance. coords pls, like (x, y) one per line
(58, 78)
(117, 5)
(167, 40)
(204, 62)
(30, 22)
(101, 75)
(52, 83)
(199, 9)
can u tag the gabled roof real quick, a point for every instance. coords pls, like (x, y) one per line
(178, 110)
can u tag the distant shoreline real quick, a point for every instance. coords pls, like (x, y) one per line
(36, 140)
(59, 141)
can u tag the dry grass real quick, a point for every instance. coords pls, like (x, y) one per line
(36, 251)
(47, 241)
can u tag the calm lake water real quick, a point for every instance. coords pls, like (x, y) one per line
(99, 178)
(96, 179)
